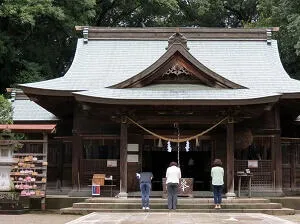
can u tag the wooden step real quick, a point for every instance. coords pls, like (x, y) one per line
(84, 211)
(180, 200)
(200, 205)
(125, 205)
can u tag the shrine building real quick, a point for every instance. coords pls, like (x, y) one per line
(138, 98)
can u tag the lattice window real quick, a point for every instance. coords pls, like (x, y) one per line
(298, 154)
(4, 152)
(88, 167)
(286, 178)
(101, 149)
(262, 179)
(286, 153)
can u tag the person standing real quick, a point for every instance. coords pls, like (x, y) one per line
(217, 175)
(145, 187)
(173, 175)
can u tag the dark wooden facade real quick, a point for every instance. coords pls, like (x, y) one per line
(103, 128)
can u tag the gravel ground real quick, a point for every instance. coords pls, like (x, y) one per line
(37, 218)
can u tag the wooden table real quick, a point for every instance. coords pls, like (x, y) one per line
(248, 176)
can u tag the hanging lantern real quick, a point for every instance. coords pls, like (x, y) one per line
(169, 147)
(159, 145)
(187, 146)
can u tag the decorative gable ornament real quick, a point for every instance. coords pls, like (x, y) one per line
(178, 38)
(178, 73)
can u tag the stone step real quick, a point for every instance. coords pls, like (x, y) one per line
(180, 200)
(84, 211)
(125, 205)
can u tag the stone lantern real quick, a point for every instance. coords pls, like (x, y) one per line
(6, 161)
(9, 199)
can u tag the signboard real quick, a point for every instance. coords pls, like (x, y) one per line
(132, 158)
(95, 190)
(112, 163)
(185, 187)
(252, 163)
(132, 147)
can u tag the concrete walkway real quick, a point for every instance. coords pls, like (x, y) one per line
(183, 218)
(180, 218)
(150, 218)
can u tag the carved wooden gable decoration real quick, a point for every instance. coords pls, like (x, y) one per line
(177, 66)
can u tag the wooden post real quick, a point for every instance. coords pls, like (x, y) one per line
(292, 159)
(278, 153)
(123, 158)
(230, 158)
(76, 156)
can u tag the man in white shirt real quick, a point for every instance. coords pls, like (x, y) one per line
(173, 175)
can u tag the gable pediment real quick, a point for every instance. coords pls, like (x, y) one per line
(177, 66)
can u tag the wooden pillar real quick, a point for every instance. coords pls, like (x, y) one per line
(230, 158)
(123, 159)
(292, 159)
(277, 155)
(76, 149)
(76, 156)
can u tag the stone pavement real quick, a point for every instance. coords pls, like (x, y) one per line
(180, 218)
(150, 218)
(37, 218)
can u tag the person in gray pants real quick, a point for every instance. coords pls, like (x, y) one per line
(145, 186)
(173, 175)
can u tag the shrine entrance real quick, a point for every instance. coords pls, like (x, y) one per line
(196, 163)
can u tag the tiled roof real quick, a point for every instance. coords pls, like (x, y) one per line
(100, 64)
(26, 110)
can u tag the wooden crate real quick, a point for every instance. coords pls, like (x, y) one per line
(98, 179)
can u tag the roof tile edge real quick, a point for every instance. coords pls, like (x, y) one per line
(164, 33)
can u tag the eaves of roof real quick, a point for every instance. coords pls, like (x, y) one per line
(119, 96)
(291, 95)
(33, 128)
(46, 92)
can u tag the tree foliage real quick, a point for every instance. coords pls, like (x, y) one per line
(5, 111)
(286, 15)
(37, 37)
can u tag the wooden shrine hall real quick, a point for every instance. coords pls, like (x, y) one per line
(139, 98)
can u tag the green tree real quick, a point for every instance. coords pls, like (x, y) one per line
(196, 13)
(286, 15)
(6, 111)
(134, 13)
(37, 38)
(240, 12)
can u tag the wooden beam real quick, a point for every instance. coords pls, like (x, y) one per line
(123, 158)
(230, 159)
(278, 152)
(178, 119)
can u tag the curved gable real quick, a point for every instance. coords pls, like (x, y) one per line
(177, 65)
